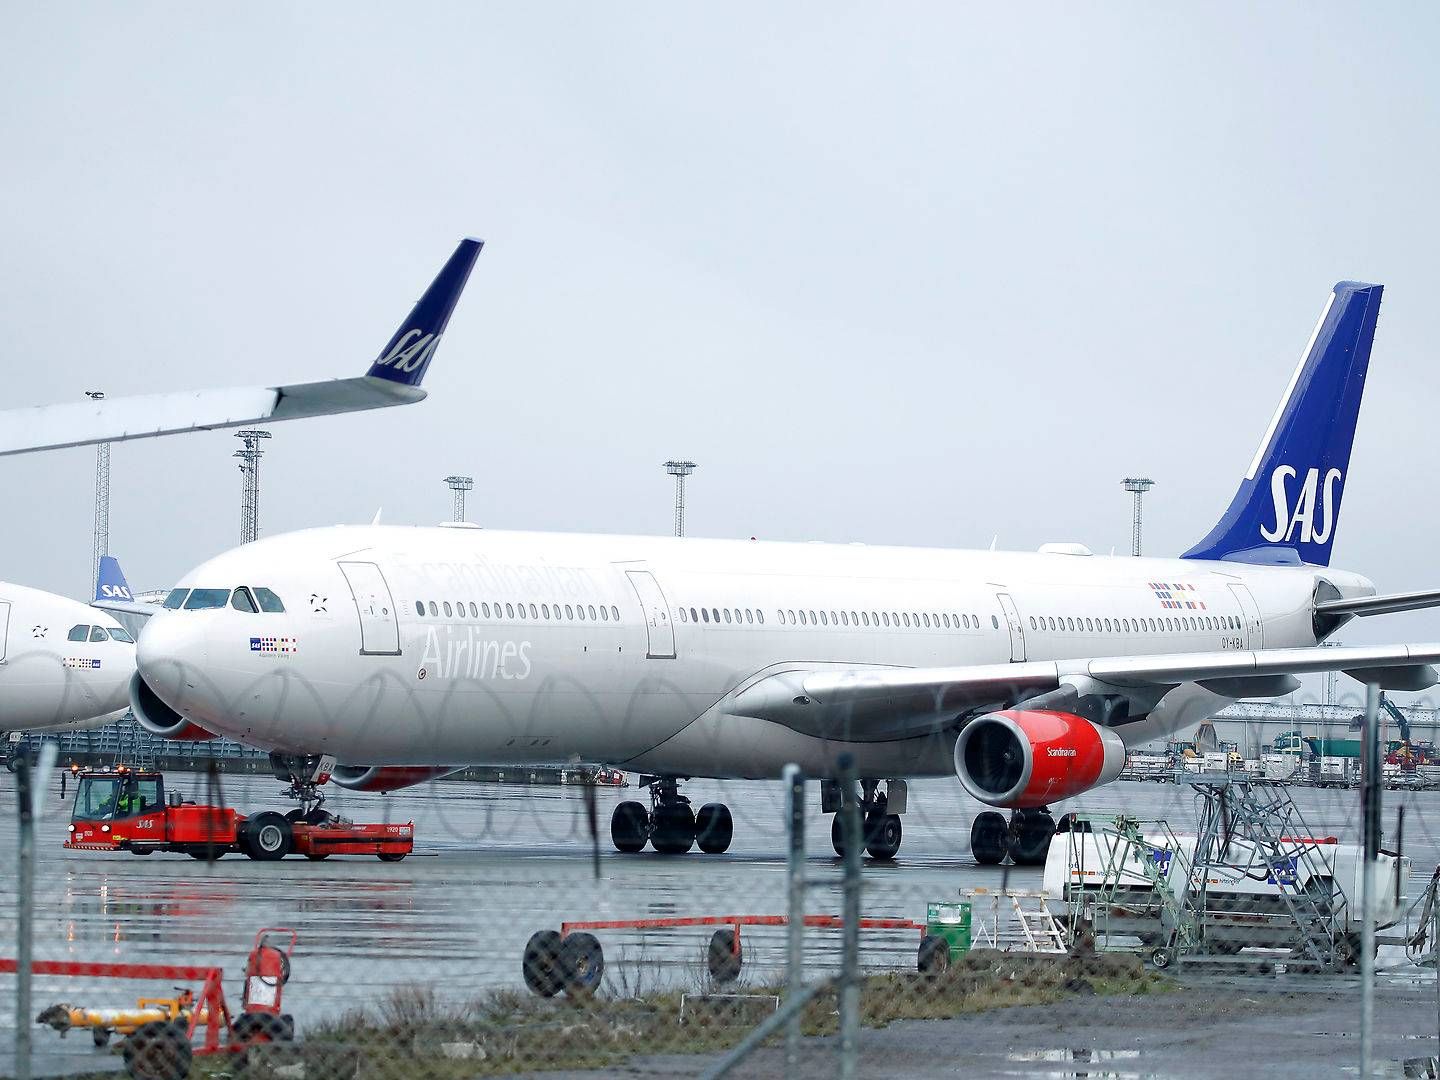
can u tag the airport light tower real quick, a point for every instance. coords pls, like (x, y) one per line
(250, 493)
(458, 486)
(1137, 486)
(679, 470)
(100, 544)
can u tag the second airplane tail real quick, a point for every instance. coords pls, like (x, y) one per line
(1288, 504)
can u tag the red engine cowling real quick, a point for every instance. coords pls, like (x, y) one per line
(388, 777)
(156, 717)
(1029, 758)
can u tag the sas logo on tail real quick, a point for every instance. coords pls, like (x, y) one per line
(1287, 522)
(115, 592)
(411, 351)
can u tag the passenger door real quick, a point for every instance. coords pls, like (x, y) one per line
(657, 614)
(4, 627)
(1017, 630)
(379, 623)
(1254, 625)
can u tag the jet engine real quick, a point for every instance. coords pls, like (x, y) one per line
(388, 777)
(1026, 758)
(158, 718)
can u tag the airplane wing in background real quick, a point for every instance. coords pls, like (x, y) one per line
(873, 704)
(393, 379)
(1380, 605)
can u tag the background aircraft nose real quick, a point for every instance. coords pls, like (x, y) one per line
(171, 652)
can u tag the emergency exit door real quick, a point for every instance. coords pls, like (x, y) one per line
(657, 614)
(379, 623)
(1017, 628)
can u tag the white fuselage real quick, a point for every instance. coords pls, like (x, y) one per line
(49, 680)
(450, 646)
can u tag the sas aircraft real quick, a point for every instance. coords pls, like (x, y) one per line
(67, 666)
(406, 652)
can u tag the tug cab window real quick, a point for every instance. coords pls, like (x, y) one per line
(106, 798)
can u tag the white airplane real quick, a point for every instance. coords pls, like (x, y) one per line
(66, 666)
(63, 665)
(409, 651)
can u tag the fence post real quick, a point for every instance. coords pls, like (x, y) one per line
(24, 916)
(795, 954)
(852, 830)
(1370, 824)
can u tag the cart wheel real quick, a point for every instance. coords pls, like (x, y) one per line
(1160, 958)
(101, 1036)
(253, 1027)
(724, 956)
(582, 962)
(541, 964)
(157, 1051)
(934, 955)
(267, 836)
(390, 856)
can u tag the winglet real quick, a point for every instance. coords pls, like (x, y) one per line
(407, 356)
(110, 583)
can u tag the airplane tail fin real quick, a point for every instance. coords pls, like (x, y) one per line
(1288, 504)
(408, 353)
(110, 583)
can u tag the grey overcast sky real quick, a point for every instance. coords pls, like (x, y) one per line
(891, 273)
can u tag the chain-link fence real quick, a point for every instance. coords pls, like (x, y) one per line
(1196, 924)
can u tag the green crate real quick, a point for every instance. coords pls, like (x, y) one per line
(950, 921)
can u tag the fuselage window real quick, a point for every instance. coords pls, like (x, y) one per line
(727, 614)
(116, 634)
(509, 611)
(591, 609)
(485, 609)
(683, 616)
(545, 610)
(614, 613)
(420, 608)
(580, 612)
(433, 609)
(176, 598)
(823, 620)
(844, 618)
(749, 616)
(802, 617)
(447, 608)
(604, 613)
(203, 599)
(705, 614)
(812, 619)
(569, 612)
(885, 617)
(1032, 623)
(995, 622)
(241, 600)
(459, 609)
(78, 633)
(906, 616)
(715, 614)
(533, 613)
(864, 618)
(694, 615)
(790, 614)
(760, 616)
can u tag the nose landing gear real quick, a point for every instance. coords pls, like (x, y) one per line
(305, 773)
(1025, 838)
(670, 825)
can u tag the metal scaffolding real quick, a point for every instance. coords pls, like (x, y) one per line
(458, 486)
(250, 493)
(100, 542)
(679, 470)
(1137, 486)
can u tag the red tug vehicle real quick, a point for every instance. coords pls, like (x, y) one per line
(125, 809)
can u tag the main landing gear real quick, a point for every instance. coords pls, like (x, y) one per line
(1025, 837)
(880, 817)
(670, 826)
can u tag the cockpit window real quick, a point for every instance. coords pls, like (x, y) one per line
(243, 601)
(269, 601)
(79, 633)
(97, 633)
(176, 598)
(116, 634)
(202, 599)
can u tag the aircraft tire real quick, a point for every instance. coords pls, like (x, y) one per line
(882, 836)
(1028, 837)
(714, 828)
(157, 1051)
(672, 829)
(582, 964)
(541, 965)
(933, 957)
(629, 826)
(724, 956)
(987, 838)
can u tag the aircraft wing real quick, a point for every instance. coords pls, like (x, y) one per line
(1380, 605)
(876, 703)
(393, 379)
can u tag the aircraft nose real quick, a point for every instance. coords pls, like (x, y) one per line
(171, 655)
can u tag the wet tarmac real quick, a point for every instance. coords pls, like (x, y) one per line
(493, 864)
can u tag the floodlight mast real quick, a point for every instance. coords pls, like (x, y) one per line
(250, 491)
(679, 470)
(1137, 486)
(458, 486)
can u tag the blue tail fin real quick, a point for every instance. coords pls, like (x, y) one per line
(1288, 505)
(110, 583)
(407, 356)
